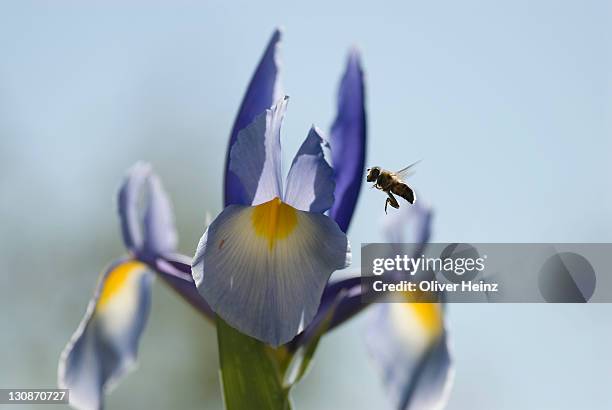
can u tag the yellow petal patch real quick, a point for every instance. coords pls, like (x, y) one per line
(417, 324)
(116, 280)
(274, 220)
(429, 316)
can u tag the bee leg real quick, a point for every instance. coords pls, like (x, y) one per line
(391, 200)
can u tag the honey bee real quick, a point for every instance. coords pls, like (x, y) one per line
(392, 183)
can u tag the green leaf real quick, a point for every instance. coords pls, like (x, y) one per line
(250, 375)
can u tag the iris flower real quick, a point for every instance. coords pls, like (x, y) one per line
(105, 344)
(408, 341)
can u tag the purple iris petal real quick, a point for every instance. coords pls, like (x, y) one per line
(348, 142)
(310, 183)
(127, 205)
(433, 379)
(159, 232)
(263, 91)
(176, 272)
(344, 298)
(417, 217)
(255, 158)
(147, 226)
(415, 365)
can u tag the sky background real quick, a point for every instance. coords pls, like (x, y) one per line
(507, 103)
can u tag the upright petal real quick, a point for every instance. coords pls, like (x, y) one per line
(145, 212)
(128, 204)
(263, 91)
(310, 183)
(263, 269)
(255, 158)
(160, 235)
(408, 342)
(410, 224)
(105, 344)
(348, 142)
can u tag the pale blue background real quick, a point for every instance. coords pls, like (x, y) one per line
(507, 103)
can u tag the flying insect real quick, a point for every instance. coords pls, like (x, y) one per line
(392, 183)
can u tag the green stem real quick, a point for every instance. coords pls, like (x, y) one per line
(250, 377)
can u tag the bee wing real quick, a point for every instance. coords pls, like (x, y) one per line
(404, 173)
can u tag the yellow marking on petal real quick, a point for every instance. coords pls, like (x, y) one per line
(274, 220)
(429, 316)
(116, 280)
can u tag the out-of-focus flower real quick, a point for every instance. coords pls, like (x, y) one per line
(408, 341)
(264, 261)
(105, 344)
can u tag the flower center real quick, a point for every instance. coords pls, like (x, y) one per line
(274, 220)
